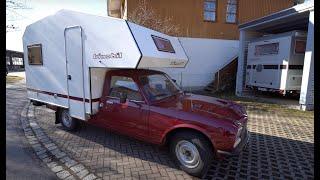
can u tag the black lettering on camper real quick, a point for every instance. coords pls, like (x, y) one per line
(117, 55)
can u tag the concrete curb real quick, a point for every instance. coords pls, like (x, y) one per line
(58, 161)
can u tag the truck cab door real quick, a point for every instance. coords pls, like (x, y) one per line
(128, 118)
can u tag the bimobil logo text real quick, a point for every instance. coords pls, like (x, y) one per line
(117, 55)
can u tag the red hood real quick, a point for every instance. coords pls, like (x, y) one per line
(206, 105)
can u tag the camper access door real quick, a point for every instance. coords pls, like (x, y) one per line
(74, 69)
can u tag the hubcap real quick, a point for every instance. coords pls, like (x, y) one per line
(188, 154)
(66, 118)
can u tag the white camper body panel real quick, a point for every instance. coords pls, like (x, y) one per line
(77, 50)
(151, 54)
(276, 68)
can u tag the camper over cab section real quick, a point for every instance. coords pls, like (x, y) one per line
(67, 55)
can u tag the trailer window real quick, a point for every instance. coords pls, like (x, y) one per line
(122, 84)
(35, 54)
(300, 47)
(266, 49)
(163, 44)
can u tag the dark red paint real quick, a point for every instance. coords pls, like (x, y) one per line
(152, 121)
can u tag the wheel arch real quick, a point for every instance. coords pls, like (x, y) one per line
(171, 132)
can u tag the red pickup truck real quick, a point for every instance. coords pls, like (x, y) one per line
(148, 105)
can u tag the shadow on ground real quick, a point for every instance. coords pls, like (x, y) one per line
(265, 156)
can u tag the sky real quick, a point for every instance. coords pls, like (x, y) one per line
(42, 8)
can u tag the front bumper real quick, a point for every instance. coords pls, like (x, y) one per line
(245, 137)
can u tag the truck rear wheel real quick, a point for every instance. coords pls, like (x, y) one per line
(68, 122)
(191, 152)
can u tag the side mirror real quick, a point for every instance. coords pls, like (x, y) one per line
(174, 80)
(123, 97)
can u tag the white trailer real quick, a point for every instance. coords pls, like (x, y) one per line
(275, 62)
(67, 55)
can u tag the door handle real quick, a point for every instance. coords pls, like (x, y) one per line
(109, 102)
(69, 77)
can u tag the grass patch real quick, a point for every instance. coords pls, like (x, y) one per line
(13, 79)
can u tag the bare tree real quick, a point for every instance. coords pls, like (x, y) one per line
(146, 16)
(13, 15)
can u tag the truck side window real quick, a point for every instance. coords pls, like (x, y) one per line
(125, 85)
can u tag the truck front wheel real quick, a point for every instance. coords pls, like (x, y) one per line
(192, 153)
(68, 122)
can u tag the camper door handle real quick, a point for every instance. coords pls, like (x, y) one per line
(69, 77)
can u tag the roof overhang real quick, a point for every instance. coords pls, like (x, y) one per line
(294, 18)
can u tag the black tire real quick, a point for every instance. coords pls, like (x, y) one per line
(203, 146)
(71, 124)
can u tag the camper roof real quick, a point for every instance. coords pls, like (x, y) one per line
(106, 41)
(295, 33)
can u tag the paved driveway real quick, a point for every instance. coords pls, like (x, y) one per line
(281, 147)
(21, 161)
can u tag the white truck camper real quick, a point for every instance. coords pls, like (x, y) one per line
(275, 62)
(67, 55)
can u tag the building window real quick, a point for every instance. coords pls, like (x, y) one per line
(35, 54)
(266, 49)
(8, 60)
(210, 7)
(17, 61)
(231, 16)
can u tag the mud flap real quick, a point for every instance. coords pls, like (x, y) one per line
(57, 120)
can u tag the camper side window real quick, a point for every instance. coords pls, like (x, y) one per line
(300, 47)
(123, 84)
(163, 44)
(266, 49)
(35, 54)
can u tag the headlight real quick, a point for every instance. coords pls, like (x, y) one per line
(238, 137)
(239, 132)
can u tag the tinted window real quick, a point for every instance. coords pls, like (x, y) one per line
(158, 86)
(266, 49)
(163, 44)
(35, 54)
(300, 47)
(122, 84)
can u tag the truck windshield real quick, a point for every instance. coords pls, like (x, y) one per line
(158, 86)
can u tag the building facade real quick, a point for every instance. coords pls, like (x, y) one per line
(208, 30)
(14, 60)
(212, 19)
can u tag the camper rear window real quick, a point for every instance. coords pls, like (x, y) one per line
(266, 49)
(163, 44)
(35, 54)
